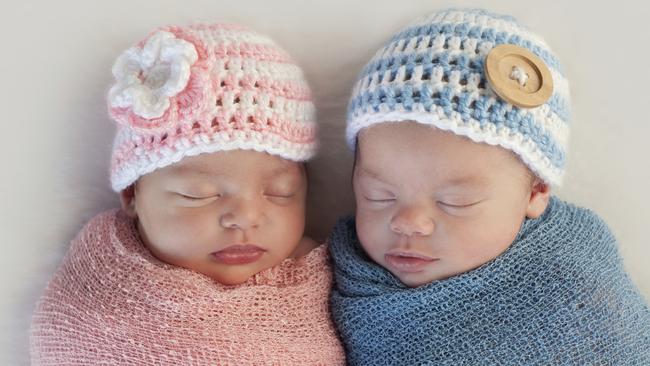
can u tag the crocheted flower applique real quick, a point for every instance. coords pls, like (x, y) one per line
(155, 81)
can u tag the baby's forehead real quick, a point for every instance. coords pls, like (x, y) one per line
(232, 163)
(449, 180)
(410, 149)
(396, 130)
(418, 138)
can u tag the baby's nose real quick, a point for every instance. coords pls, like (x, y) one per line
(243, 214)
(411, 222)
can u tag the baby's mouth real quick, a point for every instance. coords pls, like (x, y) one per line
(238, 254)
(408, 262)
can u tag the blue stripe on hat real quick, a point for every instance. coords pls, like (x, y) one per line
(481, 110)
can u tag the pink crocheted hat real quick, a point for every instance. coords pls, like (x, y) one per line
(183, 91)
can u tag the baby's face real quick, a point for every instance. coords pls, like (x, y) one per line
(431, 204)
(228, 215)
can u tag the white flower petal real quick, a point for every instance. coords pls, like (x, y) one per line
(151, 51)
(179, 75)
(127, 66)
(178, 50)
(149, 105)
(121, 95)
(146, 78)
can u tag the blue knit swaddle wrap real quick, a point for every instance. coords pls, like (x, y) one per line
(558, 295)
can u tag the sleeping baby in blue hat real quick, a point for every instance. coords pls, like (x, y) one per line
(459, 254)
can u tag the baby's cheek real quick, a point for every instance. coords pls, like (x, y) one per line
(289, 226)
(484, 243)
(181, 235)
(372, 235)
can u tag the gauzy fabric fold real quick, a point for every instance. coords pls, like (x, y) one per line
(557, 296)
(111, 302)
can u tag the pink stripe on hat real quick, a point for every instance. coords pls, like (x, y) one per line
(183, 91)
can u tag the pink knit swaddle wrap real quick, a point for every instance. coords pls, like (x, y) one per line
(112, 302)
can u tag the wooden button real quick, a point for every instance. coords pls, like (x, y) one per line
(518, 76)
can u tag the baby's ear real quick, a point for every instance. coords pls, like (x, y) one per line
(127, 199)
(540, 194)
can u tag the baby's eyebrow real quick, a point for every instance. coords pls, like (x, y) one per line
(372, 174)
(191, 170)
(279, 171)
(369, 172)
(470, 180)
(207, 173)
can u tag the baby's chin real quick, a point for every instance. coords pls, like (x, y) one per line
(412, 280)
(231, 280)
(422, 278)
(234, 276)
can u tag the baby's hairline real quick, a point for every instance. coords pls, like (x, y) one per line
(176, 167)
(529, 177)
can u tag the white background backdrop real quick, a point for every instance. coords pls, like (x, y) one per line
(55, 66)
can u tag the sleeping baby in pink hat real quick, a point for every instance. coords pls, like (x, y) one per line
(206, 262)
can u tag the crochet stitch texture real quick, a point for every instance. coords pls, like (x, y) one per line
(183, 91)
(432, 72)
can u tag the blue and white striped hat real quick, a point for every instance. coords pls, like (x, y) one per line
(432, 72)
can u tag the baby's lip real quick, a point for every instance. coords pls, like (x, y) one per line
(411, 254)
(407, 261)
(238, 254)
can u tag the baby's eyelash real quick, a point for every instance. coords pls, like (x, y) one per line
(380, 200)
(459, 206)
(280, 195)
(198, 198)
